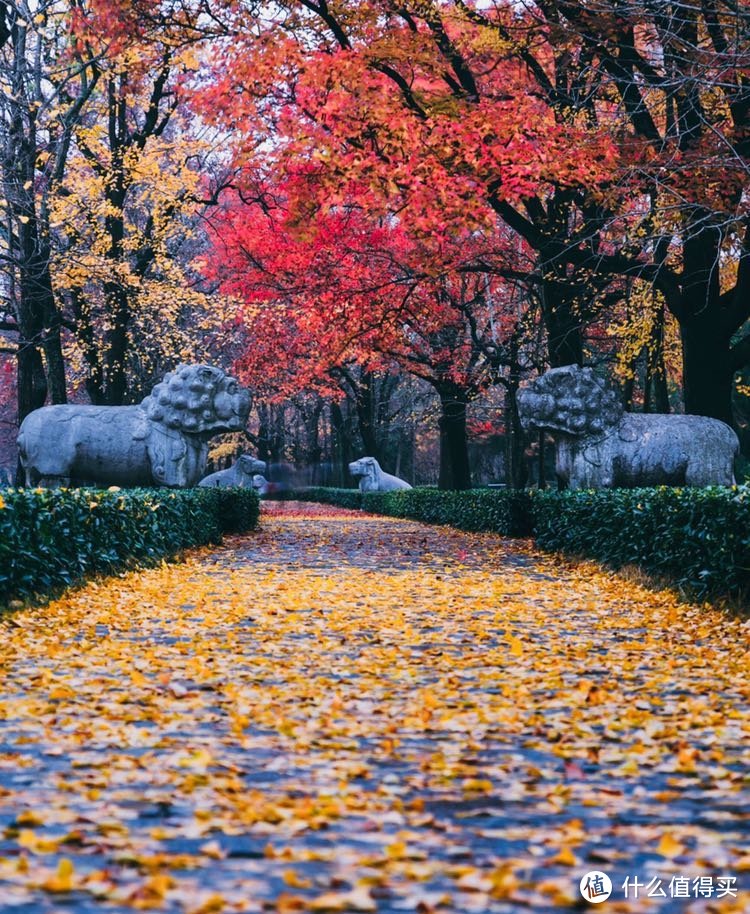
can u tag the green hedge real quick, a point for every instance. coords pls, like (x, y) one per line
(499, 510)
(342, 498)
(237, 509)
(698, 538)
(502, 511)
(50, 538)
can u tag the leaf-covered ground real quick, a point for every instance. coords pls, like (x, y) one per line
(347, 713)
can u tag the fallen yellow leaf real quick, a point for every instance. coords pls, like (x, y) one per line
(668, 846)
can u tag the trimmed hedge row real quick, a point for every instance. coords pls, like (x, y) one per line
(697, 537)
(50, 538)
(500, 511)
(342, 498)
(504, 511)
(477, 510)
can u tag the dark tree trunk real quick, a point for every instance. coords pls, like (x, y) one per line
(706, 358)
(264, 433)
(343, 442)
(37, 316)
(454, 450)
(36, 313)
(516, 469)
(32, 381)
(312, 449)
(656, 393)
(706, 372)
(364, 400)
(31, 389)
(116, 296)
(628, 390)
(563, 325)
(117, 352)
(277, 444)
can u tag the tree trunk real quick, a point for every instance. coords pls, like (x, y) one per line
(706, 361)
(51, 338)
(706, 372)
(115, 294)
(264, 433)
(117, 351)
(364, 401)
(516, 472)
(37, 316)
(36, 313)
(31, 390)
(454, 449)
(313, 451)
(343, 441)
(32, 381)
(655, 392)
(563, 326)
(628, 388)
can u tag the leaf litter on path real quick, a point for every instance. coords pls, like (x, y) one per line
(350, 713)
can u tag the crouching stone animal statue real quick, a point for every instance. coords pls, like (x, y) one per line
(599, 445)
(261, 484)
(162, 441)
(239, 475)
(373, 479)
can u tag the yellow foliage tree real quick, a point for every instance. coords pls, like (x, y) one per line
(127, 222)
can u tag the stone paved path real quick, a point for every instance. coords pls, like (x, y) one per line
(343, 713)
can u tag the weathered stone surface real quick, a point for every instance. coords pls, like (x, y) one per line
(372, 477)
(598, 445)
(161, 441)
(261, 484)
(239, 475)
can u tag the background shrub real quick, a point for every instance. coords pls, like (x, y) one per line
(500, 510)
(343, 498)
(50, 538)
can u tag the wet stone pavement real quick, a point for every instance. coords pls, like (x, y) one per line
(350, 713)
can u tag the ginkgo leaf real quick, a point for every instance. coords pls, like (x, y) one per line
(565, 857)
(63, 880)
(355, 900)
(668, 846)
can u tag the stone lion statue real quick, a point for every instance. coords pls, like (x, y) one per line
(373, 479)
(162, 441)
(239, 475)
(599, 445)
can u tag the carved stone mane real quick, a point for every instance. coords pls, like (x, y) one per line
(161, 441)
(571, 400)
(599, 445)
